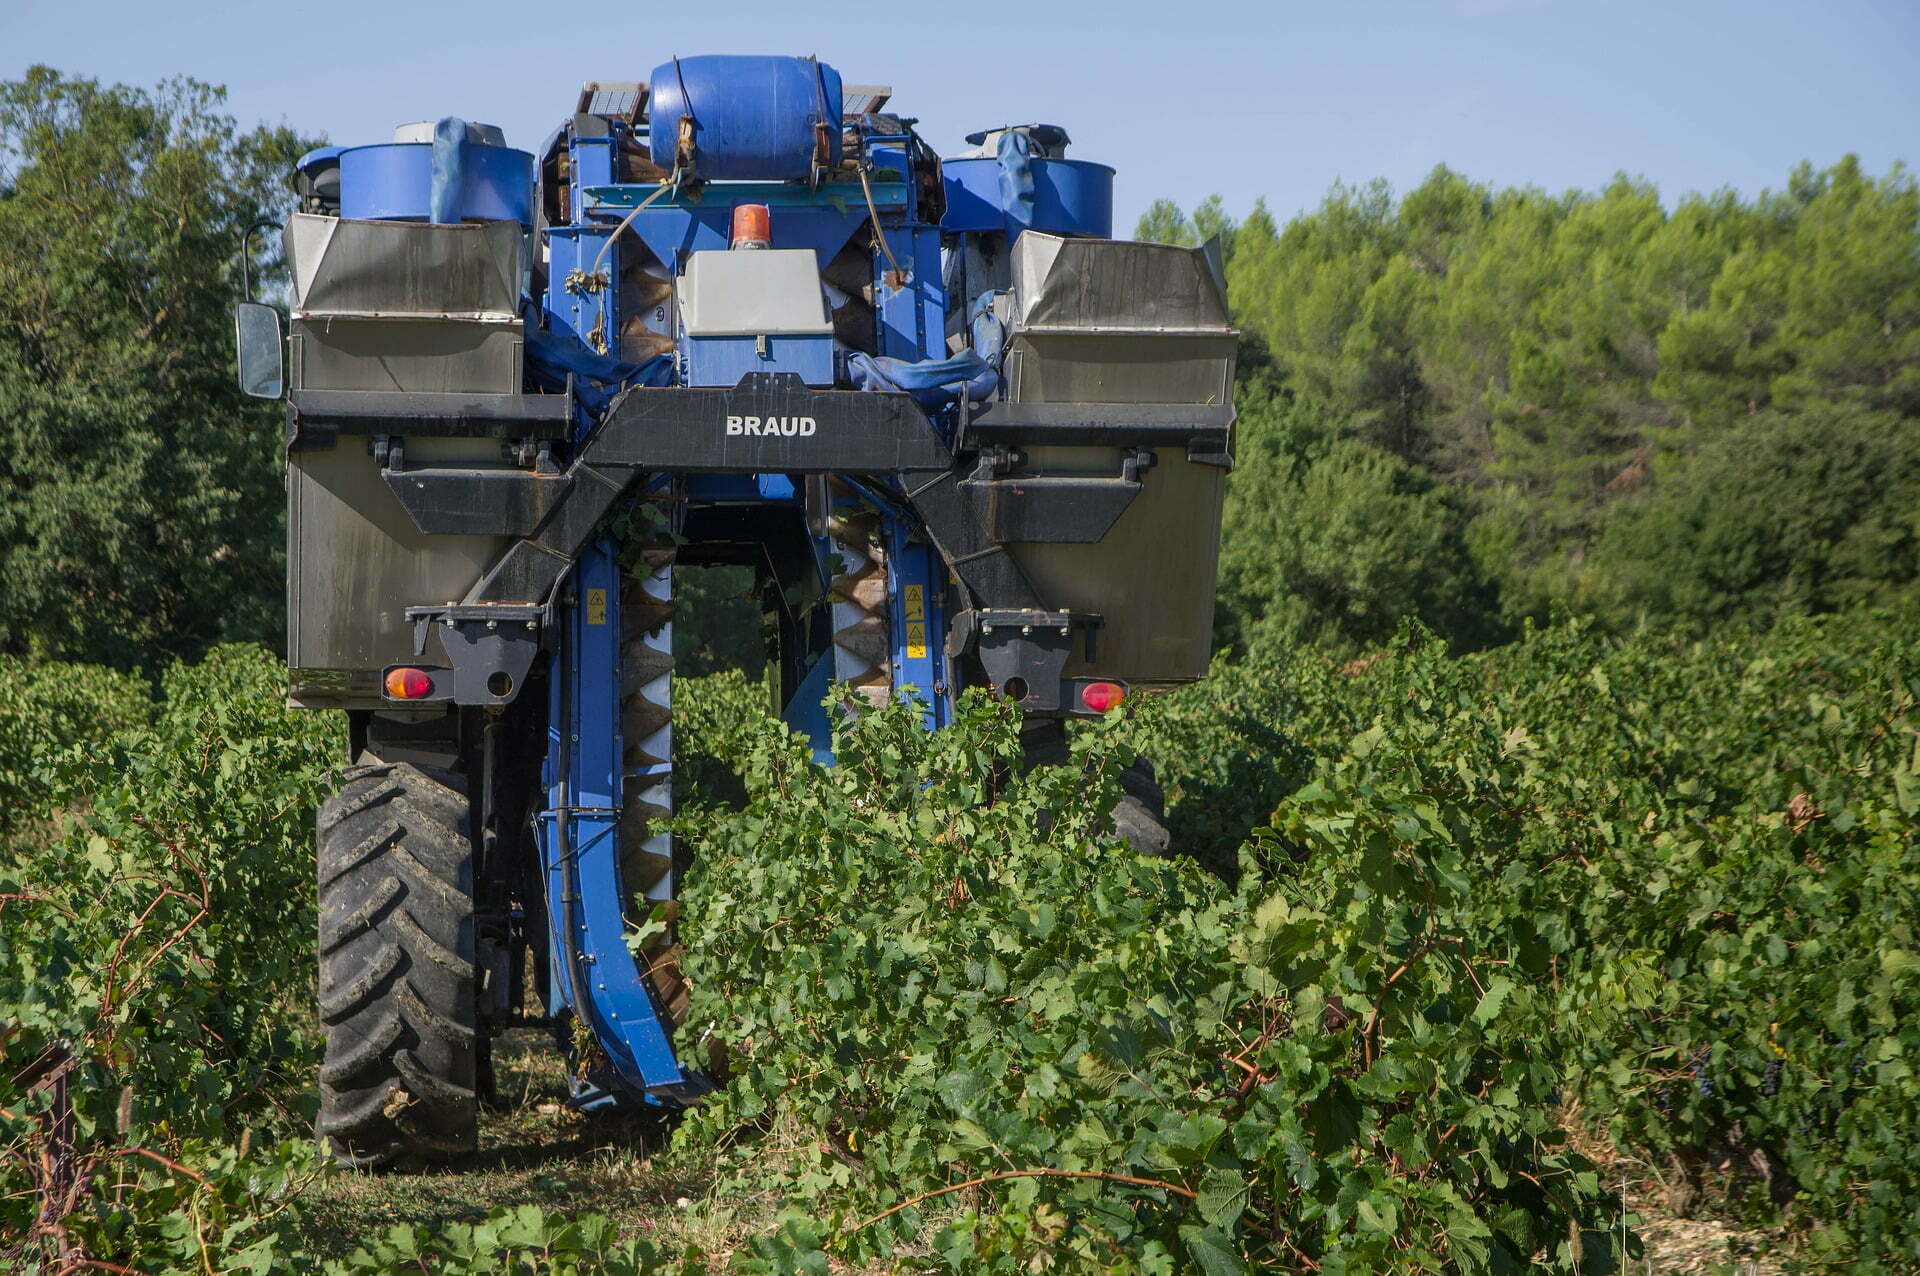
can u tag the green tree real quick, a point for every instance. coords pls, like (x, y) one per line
(1165, 223)
(1571, 408)
(1806, 512)
(140, 498)
(1377, 376)
(1327, 539)
(1212, 221)
(1538, 358)
(1818, 301)
(1305, 292)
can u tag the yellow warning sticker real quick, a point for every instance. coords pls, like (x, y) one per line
(596, 606)
(916, 609)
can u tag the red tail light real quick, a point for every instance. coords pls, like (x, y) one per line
(408, 684)
(1102, 696)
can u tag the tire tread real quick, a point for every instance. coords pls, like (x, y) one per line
(398, 1084)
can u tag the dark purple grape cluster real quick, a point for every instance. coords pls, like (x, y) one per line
(1770, 1079)
(1701, 1080)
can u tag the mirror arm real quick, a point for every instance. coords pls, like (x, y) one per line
(246, 253)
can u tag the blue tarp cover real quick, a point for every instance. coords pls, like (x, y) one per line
(933, 383)
(596, 377)
(1015, 153)
(938, 383)
(449, 170)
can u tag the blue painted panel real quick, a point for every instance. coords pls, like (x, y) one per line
(674, 233)
(319, 156)
(589, 314)
(722, 361)
(806, 713)
(591, 161)
(740, 489)
(779, 488)
(913, 319)
(841, 196)
(918, 620)
(594, 974)
(895, 165)
(584, 889)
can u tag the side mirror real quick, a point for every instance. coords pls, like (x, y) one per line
(256, 333)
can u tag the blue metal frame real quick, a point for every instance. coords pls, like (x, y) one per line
(913, 316)
(918, 621)
(589, 313)
(844, 199)
(579, 841)
(592, 165)
(593, 973)
(677, 225)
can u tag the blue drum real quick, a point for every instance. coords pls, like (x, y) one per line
(393, 181)
(753, 116)
(1070, 197)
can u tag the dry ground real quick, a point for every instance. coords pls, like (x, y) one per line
(1710, 1241)
(532, 1151)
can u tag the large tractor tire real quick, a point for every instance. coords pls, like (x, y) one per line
(1139, 817)
(398, 1085)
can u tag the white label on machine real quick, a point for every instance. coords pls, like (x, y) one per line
(786, 427)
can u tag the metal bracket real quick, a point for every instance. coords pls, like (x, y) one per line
(1204, 429)
(1024, 651)
(316, 418)
(470, 501)
(491, 645)
(685, 429)
(1056, 509)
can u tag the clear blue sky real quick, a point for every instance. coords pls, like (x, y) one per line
(1240, 97)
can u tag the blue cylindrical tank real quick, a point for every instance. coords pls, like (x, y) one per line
(1070, 197)
(393, 181)
(753, 116)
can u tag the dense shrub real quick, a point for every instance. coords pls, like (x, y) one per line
(164, 943)
(1330, 542)
(1308, 1068)
(47, 710)
(1742, 811)
(1668, 880)
(1707, 846)
(1801, 513)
